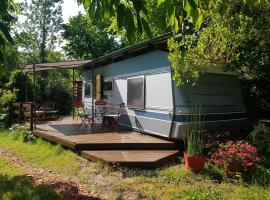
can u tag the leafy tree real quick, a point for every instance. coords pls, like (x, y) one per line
(238, 39)
(41, 27)
(133, 15)
(7, 9)
(87, 38)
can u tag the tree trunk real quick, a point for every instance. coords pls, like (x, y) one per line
(43, 46)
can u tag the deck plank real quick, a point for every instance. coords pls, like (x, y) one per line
(109, 145)
(67, 132)
(133, 157)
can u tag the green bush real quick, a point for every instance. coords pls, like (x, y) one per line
(260, 137)
(6, 98)
(260, 176)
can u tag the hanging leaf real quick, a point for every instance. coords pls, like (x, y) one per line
(139, 25)
(146, 27)
(159, 2)
(120, 15)
(5, 30)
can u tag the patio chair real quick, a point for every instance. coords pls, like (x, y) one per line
(78, 104)
(113, 118)
(86, 118)
(100, 109)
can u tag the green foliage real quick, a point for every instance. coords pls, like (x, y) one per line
(133, 16)
(234, 36)
(38, 32)
(6, 98)
(193, 132)
(130, 15)
(180, 60)
(7, 10)
(87, 38)
(260, 137)
(260, 176)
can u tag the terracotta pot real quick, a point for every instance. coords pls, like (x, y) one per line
(233, 168)
(195, 163)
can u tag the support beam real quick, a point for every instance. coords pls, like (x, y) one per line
(73, 99)
(34, 96)
(93, 89)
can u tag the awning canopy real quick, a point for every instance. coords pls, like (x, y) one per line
(29, 68)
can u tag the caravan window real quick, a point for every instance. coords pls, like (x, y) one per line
(87, 90)
(108, 86)
(135, 93)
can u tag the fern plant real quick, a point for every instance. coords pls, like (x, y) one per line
(193, 132)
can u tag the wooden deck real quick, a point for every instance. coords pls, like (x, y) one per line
(107, 144)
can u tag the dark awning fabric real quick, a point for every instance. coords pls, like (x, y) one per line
(29, 68)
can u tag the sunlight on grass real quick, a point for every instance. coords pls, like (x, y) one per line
(40, 152)
(179, 183)
(7, 168)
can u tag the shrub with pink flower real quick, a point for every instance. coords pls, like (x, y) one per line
(240, 151)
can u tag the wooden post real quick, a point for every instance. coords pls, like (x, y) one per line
(31, 117)
(20, 112)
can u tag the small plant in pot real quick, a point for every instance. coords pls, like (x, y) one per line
(193, 155)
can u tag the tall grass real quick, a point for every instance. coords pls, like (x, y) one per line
(193, 132)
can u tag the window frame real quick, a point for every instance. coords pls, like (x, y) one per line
(143, 94)
(84, 87)
(108, 80)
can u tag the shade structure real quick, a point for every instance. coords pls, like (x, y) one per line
(29, 68)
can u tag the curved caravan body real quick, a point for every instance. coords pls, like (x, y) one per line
(155, 105)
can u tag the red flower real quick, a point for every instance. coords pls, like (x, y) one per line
(240, 151)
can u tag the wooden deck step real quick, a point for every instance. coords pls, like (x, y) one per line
(135, 158)
(108, 141)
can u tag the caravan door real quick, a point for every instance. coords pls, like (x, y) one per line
(150, 103)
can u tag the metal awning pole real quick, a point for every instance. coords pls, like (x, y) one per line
(93, 102)
(34, 95)
(73, 99)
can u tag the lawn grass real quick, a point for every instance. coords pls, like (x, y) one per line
(179, 183)
(173, 182)
(14, 185)
(40, 152)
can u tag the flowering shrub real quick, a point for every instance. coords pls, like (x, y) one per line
(240, 151)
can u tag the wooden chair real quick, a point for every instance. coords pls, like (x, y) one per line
(50, 112)
(39, 112)
(113, 118)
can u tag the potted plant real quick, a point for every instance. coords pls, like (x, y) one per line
(193, 155)
(235, 157)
